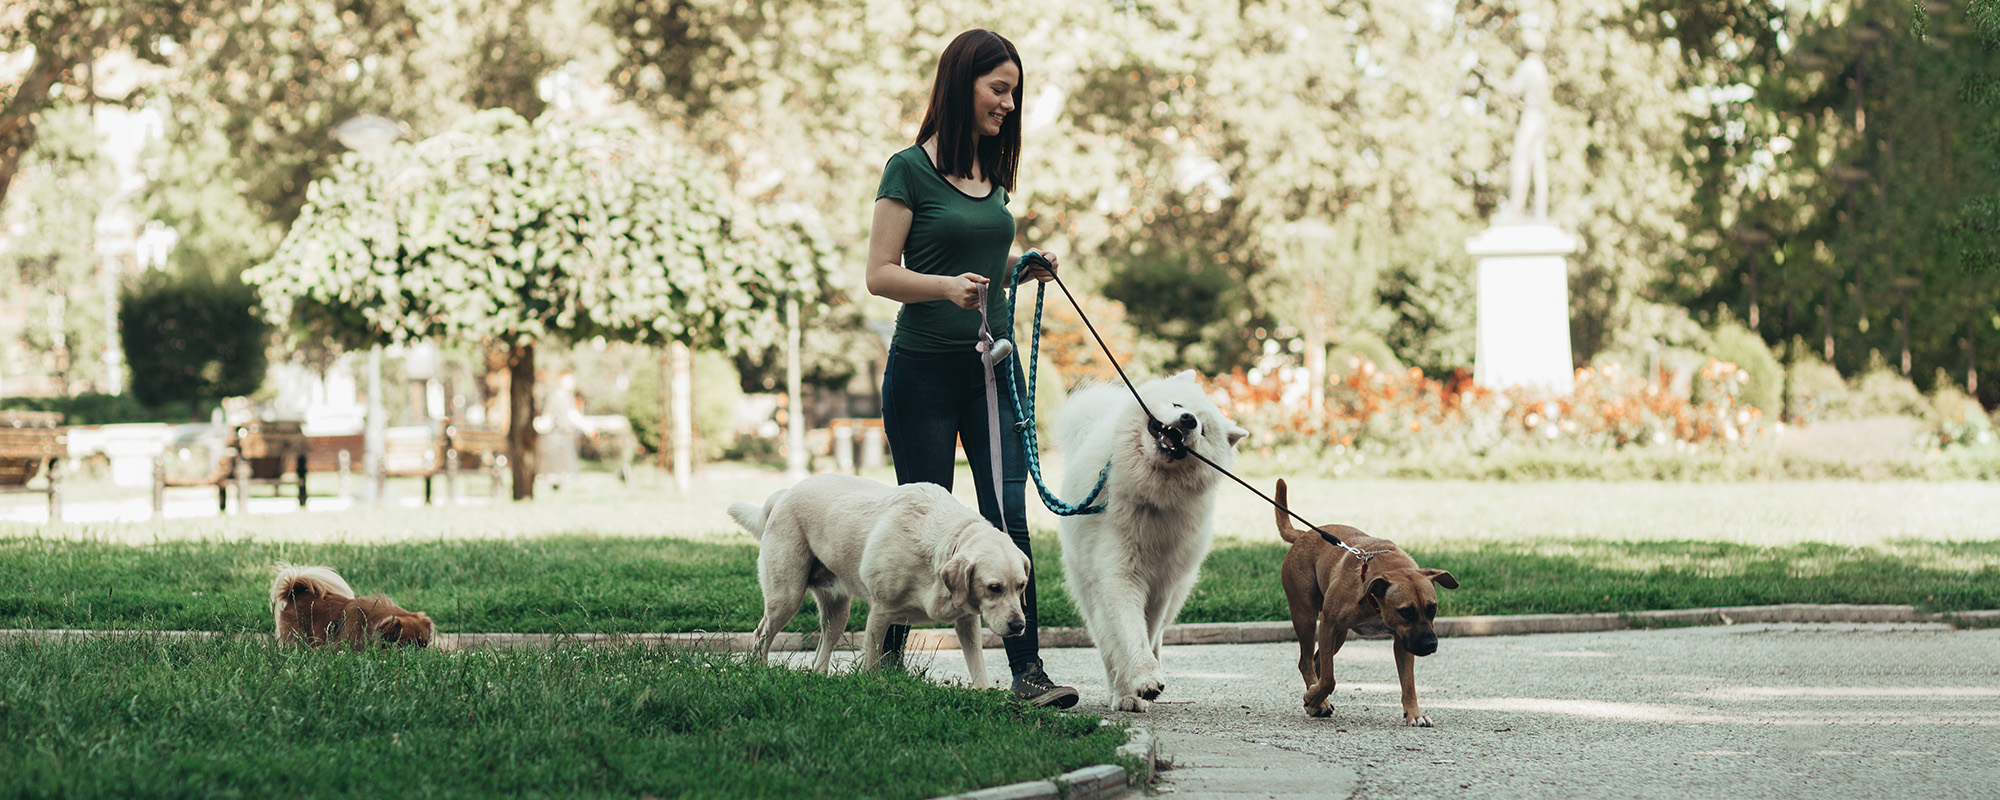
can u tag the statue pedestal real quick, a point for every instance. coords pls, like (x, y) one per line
(1523, 307)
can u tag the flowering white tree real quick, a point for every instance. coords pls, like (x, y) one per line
(507, 231)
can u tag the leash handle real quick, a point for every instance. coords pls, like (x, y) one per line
(991, 353)
(1036, 256)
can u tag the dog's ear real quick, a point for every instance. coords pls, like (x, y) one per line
(1187, 375)
(390, 628)
(1441, 578)
(1378, 590)
(1236, 433)
(957, 577)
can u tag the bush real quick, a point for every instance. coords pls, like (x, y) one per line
(1765, 388)
(1961, 421)
(1382, 414)
(1812, 388)
(1880, 392)
(191, 339)
(100, 409)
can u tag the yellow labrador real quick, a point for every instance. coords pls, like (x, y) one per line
(913, 552)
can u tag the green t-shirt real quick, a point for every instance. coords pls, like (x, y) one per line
(951, 233)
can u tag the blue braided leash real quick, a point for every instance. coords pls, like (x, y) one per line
(1025, 412)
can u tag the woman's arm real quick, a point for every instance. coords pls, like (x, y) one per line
(887, 277)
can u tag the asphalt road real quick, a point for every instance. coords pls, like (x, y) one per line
(1746, 711)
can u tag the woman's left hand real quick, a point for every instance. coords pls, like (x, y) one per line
(1045, 274)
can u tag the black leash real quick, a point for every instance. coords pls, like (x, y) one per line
(1153, 424)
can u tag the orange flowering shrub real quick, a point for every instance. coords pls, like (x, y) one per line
(1370, 411)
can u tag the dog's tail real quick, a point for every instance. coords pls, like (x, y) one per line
(293, 581)
(1285, 527)
(752, 516)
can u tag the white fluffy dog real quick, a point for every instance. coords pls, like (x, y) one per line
(913, 552)
(1130, 567)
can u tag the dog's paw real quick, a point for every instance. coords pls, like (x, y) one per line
(1133, 704)
(1322, 709)
(1150, 689)
(1418, 721)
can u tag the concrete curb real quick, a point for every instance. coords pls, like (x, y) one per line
(1100, 782)
(1201, 632)
(1261, 632)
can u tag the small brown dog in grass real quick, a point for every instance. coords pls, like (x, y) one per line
(1332, 591)
(315, 607)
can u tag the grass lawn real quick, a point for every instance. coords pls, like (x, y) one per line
(600, 557)
(239, 718)
(147, 716)
(583, 584)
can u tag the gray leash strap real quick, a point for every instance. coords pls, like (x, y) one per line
(991, 352)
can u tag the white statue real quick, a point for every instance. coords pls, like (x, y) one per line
(1531, 158)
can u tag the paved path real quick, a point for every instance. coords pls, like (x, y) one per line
(1745, 711)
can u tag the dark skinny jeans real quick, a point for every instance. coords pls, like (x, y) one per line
(930, 401)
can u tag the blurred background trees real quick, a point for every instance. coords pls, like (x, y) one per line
(1228, 177)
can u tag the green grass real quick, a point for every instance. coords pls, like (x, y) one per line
(238, 718)
(572, 584)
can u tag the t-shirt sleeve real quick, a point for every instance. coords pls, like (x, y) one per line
(896, 182)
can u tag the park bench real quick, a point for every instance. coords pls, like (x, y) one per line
(427, 452)
(258, 452)
(32, 443)
(338, 453)
(857, 443)
(267, 454)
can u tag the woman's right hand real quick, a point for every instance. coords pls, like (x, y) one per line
(963, 290)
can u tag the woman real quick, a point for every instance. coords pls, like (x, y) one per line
(942, 232)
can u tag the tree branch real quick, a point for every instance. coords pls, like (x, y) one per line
(17, 120)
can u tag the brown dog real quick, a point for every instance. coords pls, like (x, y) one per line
(1333, 591)
(314, 607)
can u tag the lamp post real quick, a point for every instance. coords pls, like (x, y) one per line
(365, 134)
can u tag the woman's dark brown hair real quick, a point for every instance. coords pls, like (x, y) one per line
(949, 118)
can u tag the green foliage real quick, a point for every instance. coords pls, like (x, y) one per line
(1843, 194)
(99, 409)
(1434, 306)
(50, 270)
(1735, 344)
(508, 231)
(190, 338)
(58, 37)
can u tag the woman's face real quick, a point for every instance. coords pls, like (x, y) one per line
(993, 97)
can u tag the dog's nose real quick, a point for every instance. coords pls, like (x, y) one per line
(1186, 422)
(1015, 628)
(1423, 645)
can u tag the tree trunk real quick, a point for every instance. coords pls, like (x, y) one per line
(1903, 329)
(683, 364)
(666, 413)
(795, 423)
(1316, 373)
(1971, 363)
(17, 118)
(1754, 316)
(521, 419)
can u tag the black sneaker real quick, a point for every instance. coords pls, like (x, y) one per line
(1033, 685)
